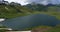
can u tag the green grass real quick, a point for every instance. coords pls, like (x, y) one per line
(50, 29)
(54, 29)
(12, 12)
(56, 14)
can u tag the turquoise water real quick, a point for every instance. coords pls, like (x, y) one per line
(20, 23)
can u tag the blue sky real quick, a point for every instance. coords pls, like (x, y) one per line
(45, 2)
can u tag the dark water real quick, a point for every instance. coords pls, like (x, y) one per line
(20, 23)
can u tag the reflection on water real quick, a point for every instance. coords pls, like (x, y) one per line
(21, 23)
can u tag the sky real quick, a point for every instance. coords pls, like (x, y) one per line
(22, 2)
(45, 2)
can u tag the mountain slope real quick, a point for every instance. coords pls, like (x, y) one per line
(12, 11)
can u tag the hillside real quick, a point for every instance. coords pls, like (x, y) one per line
(16, 10)
(8, 11)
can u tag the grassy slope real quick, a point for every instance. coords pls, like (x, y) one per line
(11, 12)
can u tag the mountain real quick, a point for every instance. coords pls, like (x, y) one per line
(40, 7)
(9, 11)
(36, 7)
(15, 9)
(44, 2)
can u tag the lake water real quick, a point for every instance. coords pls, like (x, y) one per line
(21, 23)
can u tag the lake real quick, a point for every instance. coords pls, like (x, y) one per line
(34, 20)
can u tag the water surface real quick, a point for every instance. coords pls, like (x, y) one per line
(21, 23)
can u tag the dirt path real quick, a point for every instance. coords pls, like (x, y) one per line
(40, 29)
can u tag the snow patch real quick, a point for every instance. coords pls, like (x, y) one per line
(2, 20)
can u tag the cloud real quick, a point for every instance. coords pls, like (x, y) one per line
(22, 2)
(55, 1)
(45, 2)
